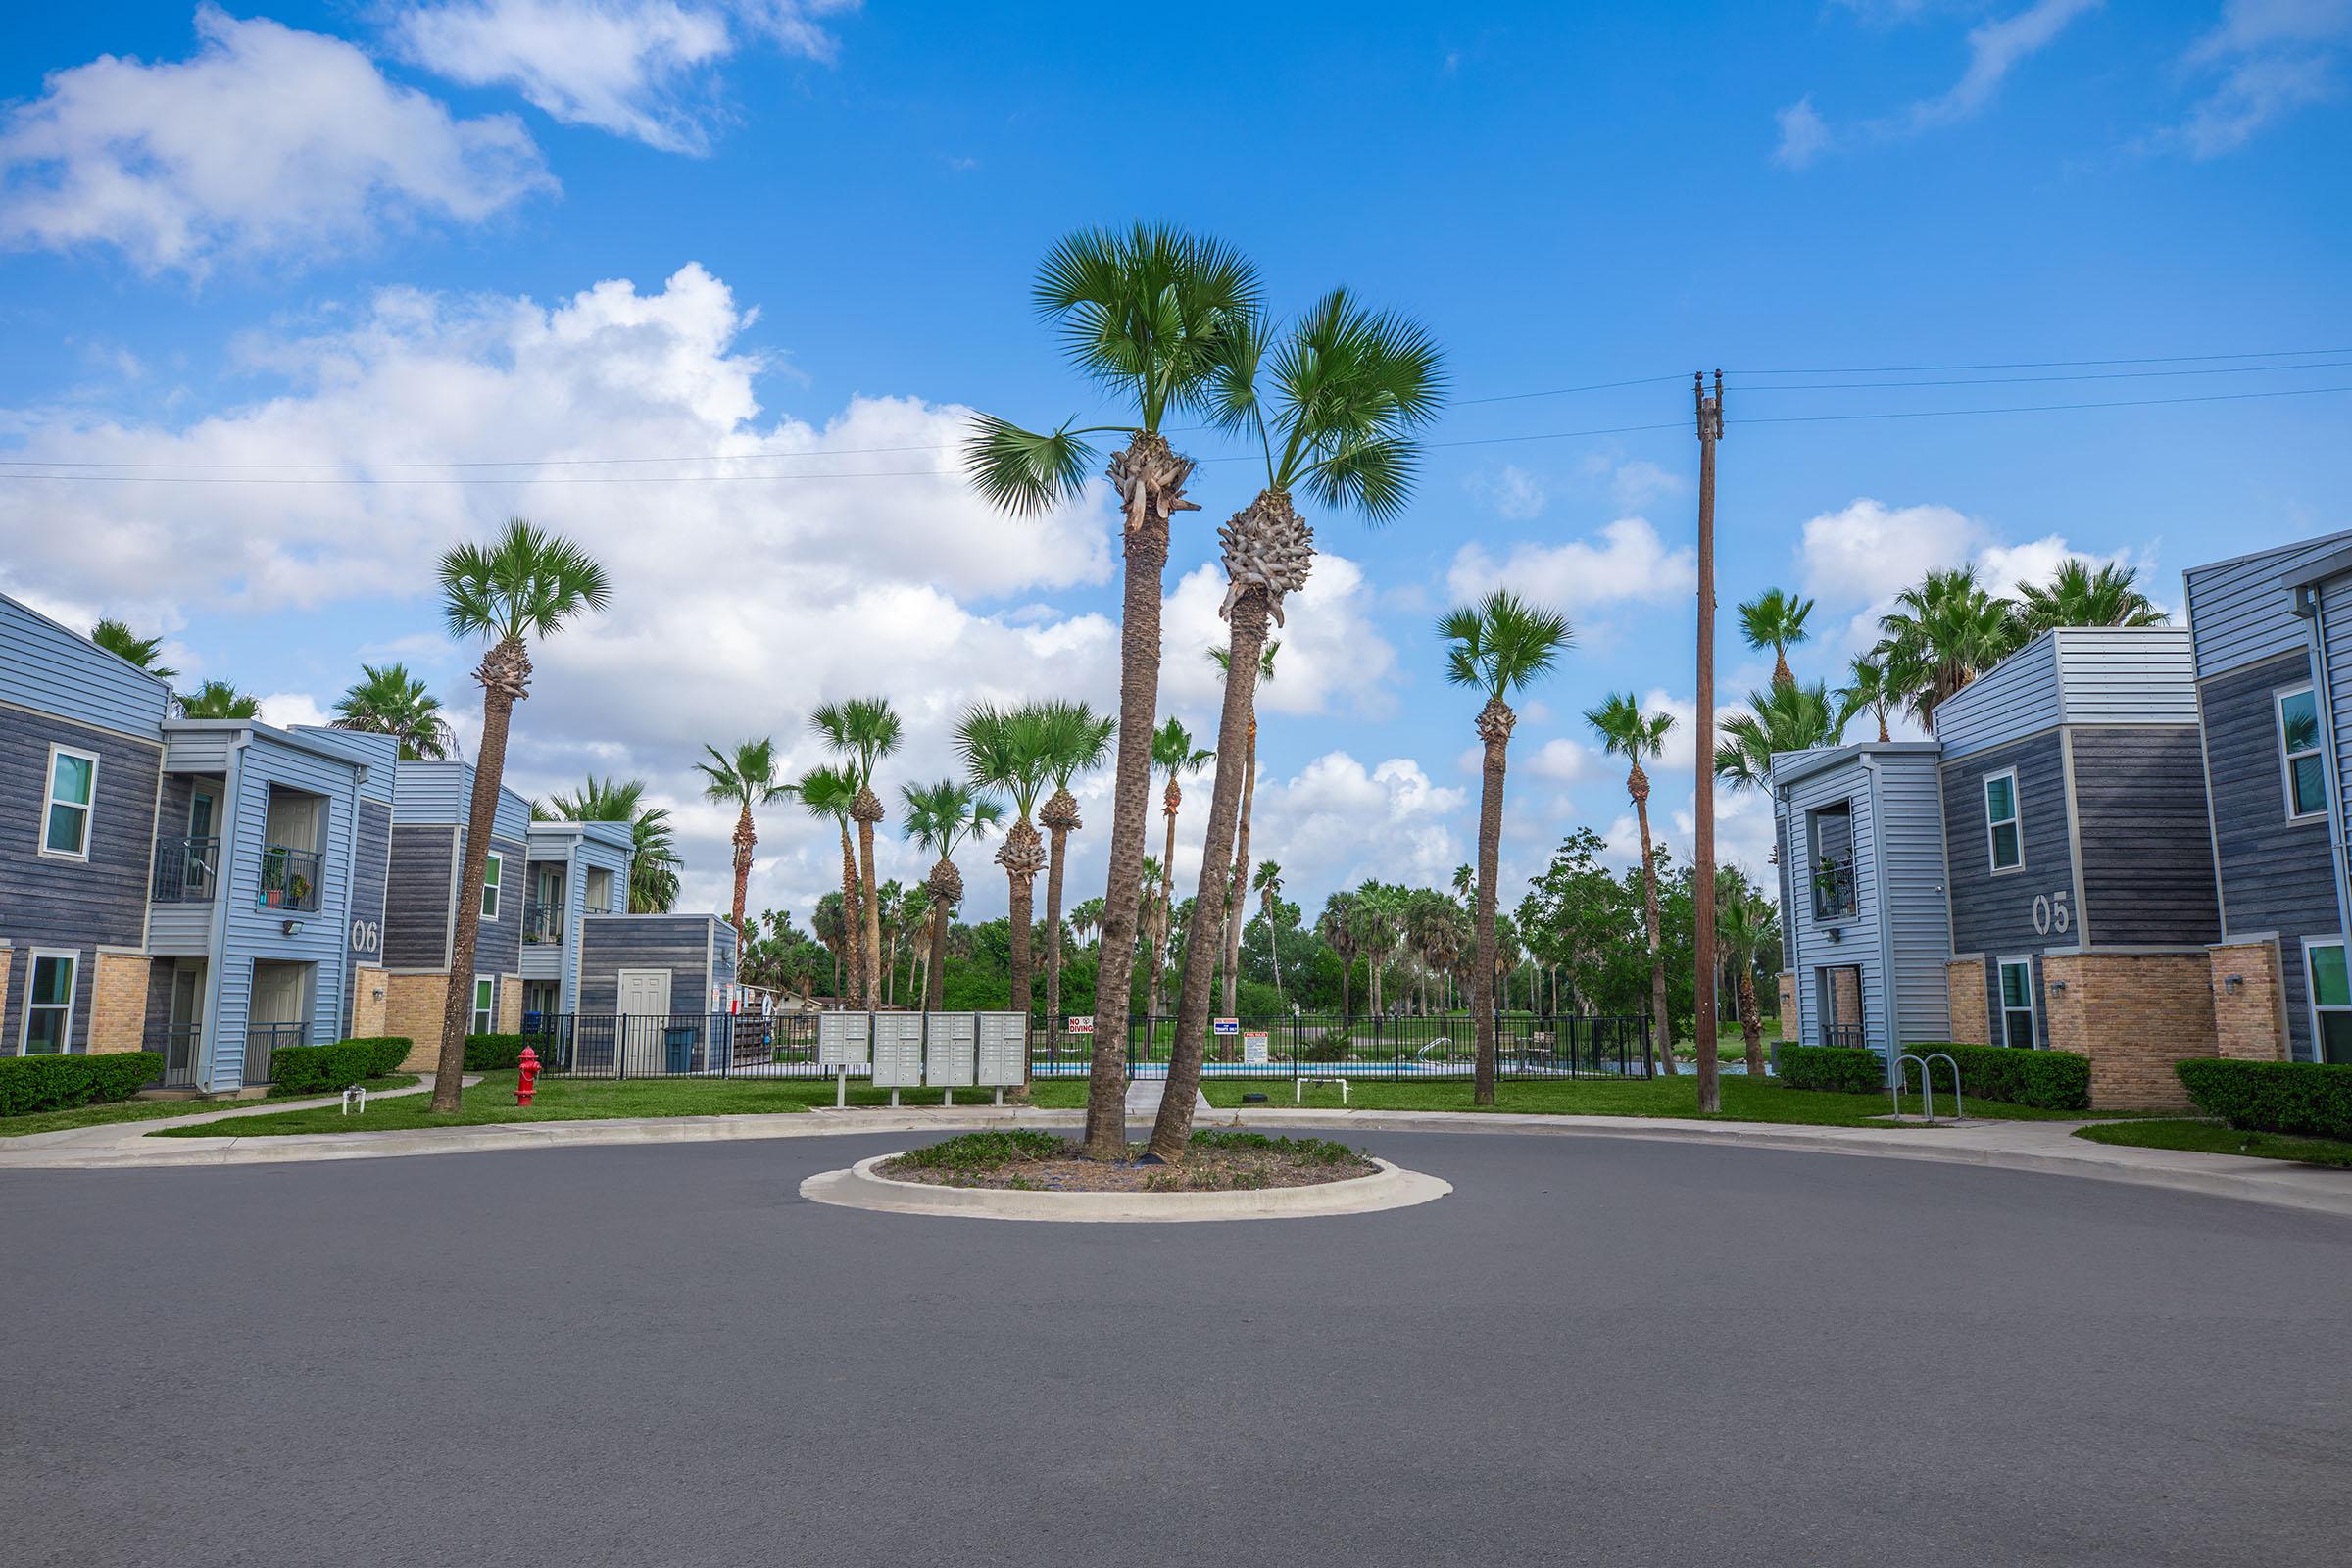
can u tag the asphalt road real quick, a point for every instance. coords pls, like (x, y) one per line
(1594, 1351)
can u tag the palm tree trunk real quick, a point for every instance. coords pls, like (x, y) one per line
(1238, 904)
(1274, 954)
(1166, 921)
(850, 919)
(935, 973)
(870, 912)
(1150, 479)
(1173, 1134)
(1752, 1027)
(1494, 729)
(1060, 842)
(505, 675)
(744, 839)
(1021, 857)
(1662, 1041)
(1373, 959)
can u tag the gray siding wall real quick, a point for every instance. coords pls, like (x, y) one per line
(1811, 947)
(416, 909)
(2239, 614)
(1910, 875)
(49, 669)
(2276, 875)
(2147, 850)
(48, 901)
(679, 943)
(371, 878)
(2018, 696)
(498, 944)
(1993, 915)
(2127, 674)
(443, 792)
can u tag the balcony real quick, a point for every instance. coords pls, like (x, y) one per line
(1834, 891)
(262, 1043)
(289, 880)
(186, 870)
(1846, 1036)
(541, 923)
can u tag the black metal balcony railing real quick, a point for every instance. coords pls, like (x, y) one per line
(541, 923)
(290, 879)
(179, 1045)
(262, 1041)
(1848, 1034)
(1834, 892)
(186, 870)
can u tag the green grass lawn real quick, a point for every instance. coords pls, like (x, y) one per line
(117, 1110)
(2213, 1138)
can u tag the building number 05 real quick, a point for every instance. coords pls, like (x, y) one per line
(2050, 914)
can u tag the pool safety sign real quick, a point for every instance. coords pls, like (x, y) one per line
(1227, 1026)
(1080, 1026)
(1253, 1049)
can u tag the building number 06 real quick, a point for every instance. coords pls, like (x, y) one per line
(2050, 914)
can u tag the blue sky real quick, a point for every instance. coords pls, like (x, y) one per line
(529, 233)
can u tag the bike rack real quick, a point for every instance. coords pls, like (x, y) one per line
(1927, 1084)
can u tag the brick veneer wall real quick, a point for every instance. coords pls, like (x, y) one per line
(2249, 1022)
(413, 1005)
(1845, 995)
(510, 1003)
(2133, 1014)
(8, 962)
(1788, 991)
(118, 1002)
(368, 1007)
(1970, 1018)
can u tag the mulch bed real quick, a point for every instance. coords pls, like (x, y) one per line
(1218, 1162)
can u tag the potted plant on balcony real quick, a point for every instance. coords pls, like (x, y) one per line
(1826, 878)
(298, 891)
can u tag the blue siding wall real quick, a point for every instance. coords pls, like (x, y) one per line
(417, 903)
(682, 944)
(49, 669)
(2145, 845)
(1992, 913)
(2016, 697)
(2238, 610)
(372, 863)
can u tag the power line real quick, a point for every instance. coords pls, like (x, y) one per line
(2053, 364)
(2012, 380)
(2041, 407)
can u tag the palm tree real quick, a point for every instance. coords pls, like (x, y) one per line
(1237, 897)
(1013, 749)
(653, 853)
(1941, 635)
(1499, 645)
(894, 899)
(1627, 731)
(526, 583)
(2076, 595)
(743, 780)
(1865, 691)
(1145, 314)
(911, 911)
(1743, 925)
(1269, 902)
(1465, 877)
(833, 792)
(863, 730)
(1086, 918)
(1775, 620)
(1378, 925)
(387, 699)
(1078, 742)
(218, 699)
(1779, 719)
(1335, 406)
(1175, 757)
(117, 639)
(941, 817)
(1336, 925)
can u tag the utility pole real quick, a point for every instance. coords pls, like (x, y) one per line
(1702, 862)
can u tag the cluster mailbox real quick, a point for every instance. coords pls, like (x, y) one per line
(949, 1042)
(946, 1051)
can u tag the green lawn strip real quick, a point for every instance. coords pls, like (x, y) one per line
(1743, 1098)
(491, 1103)
(2216, 1138)
(121, 1110)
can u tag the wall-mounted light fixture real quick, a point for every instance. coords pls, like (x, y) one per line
(292, 927)
(2057, 985)
(2235, 982)
(380, 993)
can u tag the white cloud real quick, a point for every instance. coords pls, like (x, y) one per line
(1631, 563)
(1994, 49)
(268, 140)
(287, 708)
(1560, 760)
(1636, 484)
(1513, 492)
(636, 67)
(1868, 551)
(1332, 656)
(1804, 134)
(2274, 56)
(1338, 822)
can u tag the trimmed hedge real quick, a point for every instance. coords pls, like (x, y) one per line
(331, 1069)
(2273, 1096)
(60, 1083)
(2050, 1080)
(496, 1052)
(1840, 1069)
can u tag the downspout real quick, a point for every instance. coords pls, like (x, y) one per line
(232, 801)
(2307, 604)
(1877, 879)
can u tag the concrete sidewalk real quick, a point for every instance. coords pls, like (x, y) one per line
(2047, 1146)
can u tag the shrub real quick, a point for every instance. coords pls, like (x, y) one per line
(498, 1053)
(973, 1153)
(2052, 1080)
(331, 1069)
(60, 1083)
(1841, 1069)
(2273, 1096)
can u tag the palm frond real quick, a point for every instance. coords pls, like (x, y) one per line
(1022, 471)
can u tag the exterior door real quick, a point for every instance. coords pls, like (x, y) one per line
(280, 994)
(643, 1020)
(183, 1029)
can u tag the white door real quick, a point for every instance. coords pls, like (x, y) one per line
(644, 1017)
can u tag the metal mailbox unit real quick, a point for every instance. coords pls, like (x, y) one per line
(1003, 1052)
(842, 1048)
(950, 1048)
(898, 1051)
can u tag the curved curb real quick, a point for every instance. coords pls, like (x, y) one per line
(862, 1187)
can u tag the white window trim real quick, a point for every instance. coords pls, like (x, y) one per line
(64, 1044)
(2032, 1008)
(493, 893)
(89, 812)
(2311, 992)
(2287, 759)
(475, 1010)
(2017, 818)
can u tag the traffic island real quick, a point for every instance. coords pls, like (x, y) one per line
(1025, 1174)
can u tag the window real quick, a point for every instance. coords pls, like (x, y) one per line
(2330, 1001)
(2299, 753)
(2017, 1002)
(49, 1003)
(600, 891)
(2001, 824)
(485, 1003)
(492, 865)
(73, 793)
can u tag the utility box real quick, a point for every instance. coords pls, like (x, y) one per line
(949, 1043)
(897, 1049)
(841, 1040)
(1003, 1048)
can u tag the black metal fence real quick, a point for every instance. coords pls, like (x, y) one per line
(688, 1044)
(1848, 1034)
(262, 1041)
(178, 1044)
(186, 870)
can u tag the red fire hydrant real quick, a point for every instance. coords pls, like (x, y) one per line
(529, 1079)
